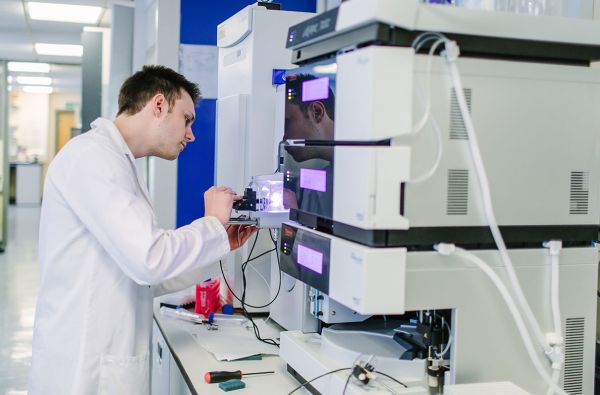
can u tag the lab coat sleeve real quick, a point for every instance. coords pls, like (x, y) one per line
(97, 186)
(186, 280)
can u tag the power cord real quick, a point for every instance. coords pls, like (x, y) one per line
(347, 382)
(250, 260)
(391, 378)
(242, 300)
(316, 378)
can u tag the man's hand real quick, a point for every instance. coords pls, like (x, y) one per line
(218, 202)
(239, 234)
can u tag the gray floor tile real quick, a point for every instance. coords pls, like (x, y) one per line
(19, 281)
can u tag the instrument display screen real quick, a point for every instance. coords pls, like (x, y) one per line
(310, 259)
(316, 89)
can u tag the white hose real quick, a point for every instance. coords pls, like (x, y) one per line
(438, 159)
(555, 295)
(554, 247)
(486, 197)
(445, 350)
(423, 121)
(426, 102)
(510, 303)
(555, 378)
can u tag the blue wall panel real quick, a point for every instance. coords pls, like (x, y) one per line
(195, 168)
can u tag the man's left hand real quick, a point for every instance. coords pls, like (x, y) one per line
(239, 234)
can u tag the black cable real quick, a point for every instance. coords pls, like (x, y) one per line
(278, 288)
(318, 377)
(391, 378)
(347, 382)
(245, 312)
(261, 255)
(242, 300)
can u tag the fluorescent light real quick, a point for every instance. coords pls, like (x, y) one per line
(37, 89)
(29, 67)
(23, 80)
(326, 68)
(58, 49)
(64, 12)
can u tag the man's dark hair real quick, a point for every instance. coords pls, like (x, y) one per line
(138, 89)
(295, 83)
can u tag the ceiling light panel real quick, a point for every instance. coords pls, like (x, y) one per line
(24, 80)
(63, 12)
(29, 67)
(58, 49)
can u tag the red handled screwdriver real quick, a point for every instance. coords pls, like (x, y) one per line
(224, 375)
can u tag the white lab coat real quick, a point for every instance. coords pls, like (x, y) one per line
(101, 252)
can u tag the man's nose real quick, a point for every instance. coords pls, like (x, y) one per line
(190, 135)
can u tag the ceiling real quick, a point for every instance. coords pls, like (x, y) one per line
(18, 33)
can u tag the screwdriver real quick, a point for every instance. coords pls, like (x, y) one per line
(224, 375)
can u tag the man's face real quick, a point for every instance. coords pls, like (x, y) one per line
(176, 128)
(313, 124)
(298, 125)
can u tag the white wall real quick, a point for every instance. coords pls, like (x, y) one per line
(121, 54)
(28, 119)
(325, 5)
(156, 41)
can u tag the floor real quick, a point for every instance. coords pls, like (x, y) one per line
(19, 281)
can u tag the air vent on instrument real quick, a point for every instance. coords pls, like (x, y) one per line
(458, 192)
(574, 346)
(458, 131)
(580, 190)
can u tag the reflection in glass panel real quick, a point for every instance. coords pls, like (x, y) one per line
(309, 115)
(310, 101)
(308, 179)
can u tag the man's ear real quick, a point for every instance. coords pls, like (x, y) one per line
(317, 111)
(159, 104)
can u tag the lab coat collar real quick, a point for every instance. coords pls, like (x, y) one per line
(114, 133)
(104, 125)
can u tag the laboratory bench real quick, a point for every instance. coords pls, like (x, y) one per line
(25, 188)
(179, 364)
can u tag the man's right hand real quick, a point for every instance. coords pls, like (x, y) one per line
(218, 202)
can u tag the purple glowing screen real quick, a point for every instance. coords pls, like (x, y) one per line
(315, 180)
(317, 89)
(310, 259)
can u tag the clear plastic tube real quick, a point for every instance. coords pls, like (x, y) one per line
(183, 314)
(488, 208)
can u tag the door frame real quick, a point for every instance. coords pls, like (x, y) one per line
(56, 112)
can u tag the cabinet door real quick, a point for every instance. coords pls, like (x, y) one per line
(161, 361)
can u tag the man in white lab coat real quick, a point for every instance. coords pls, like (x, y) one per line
(102, 254)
